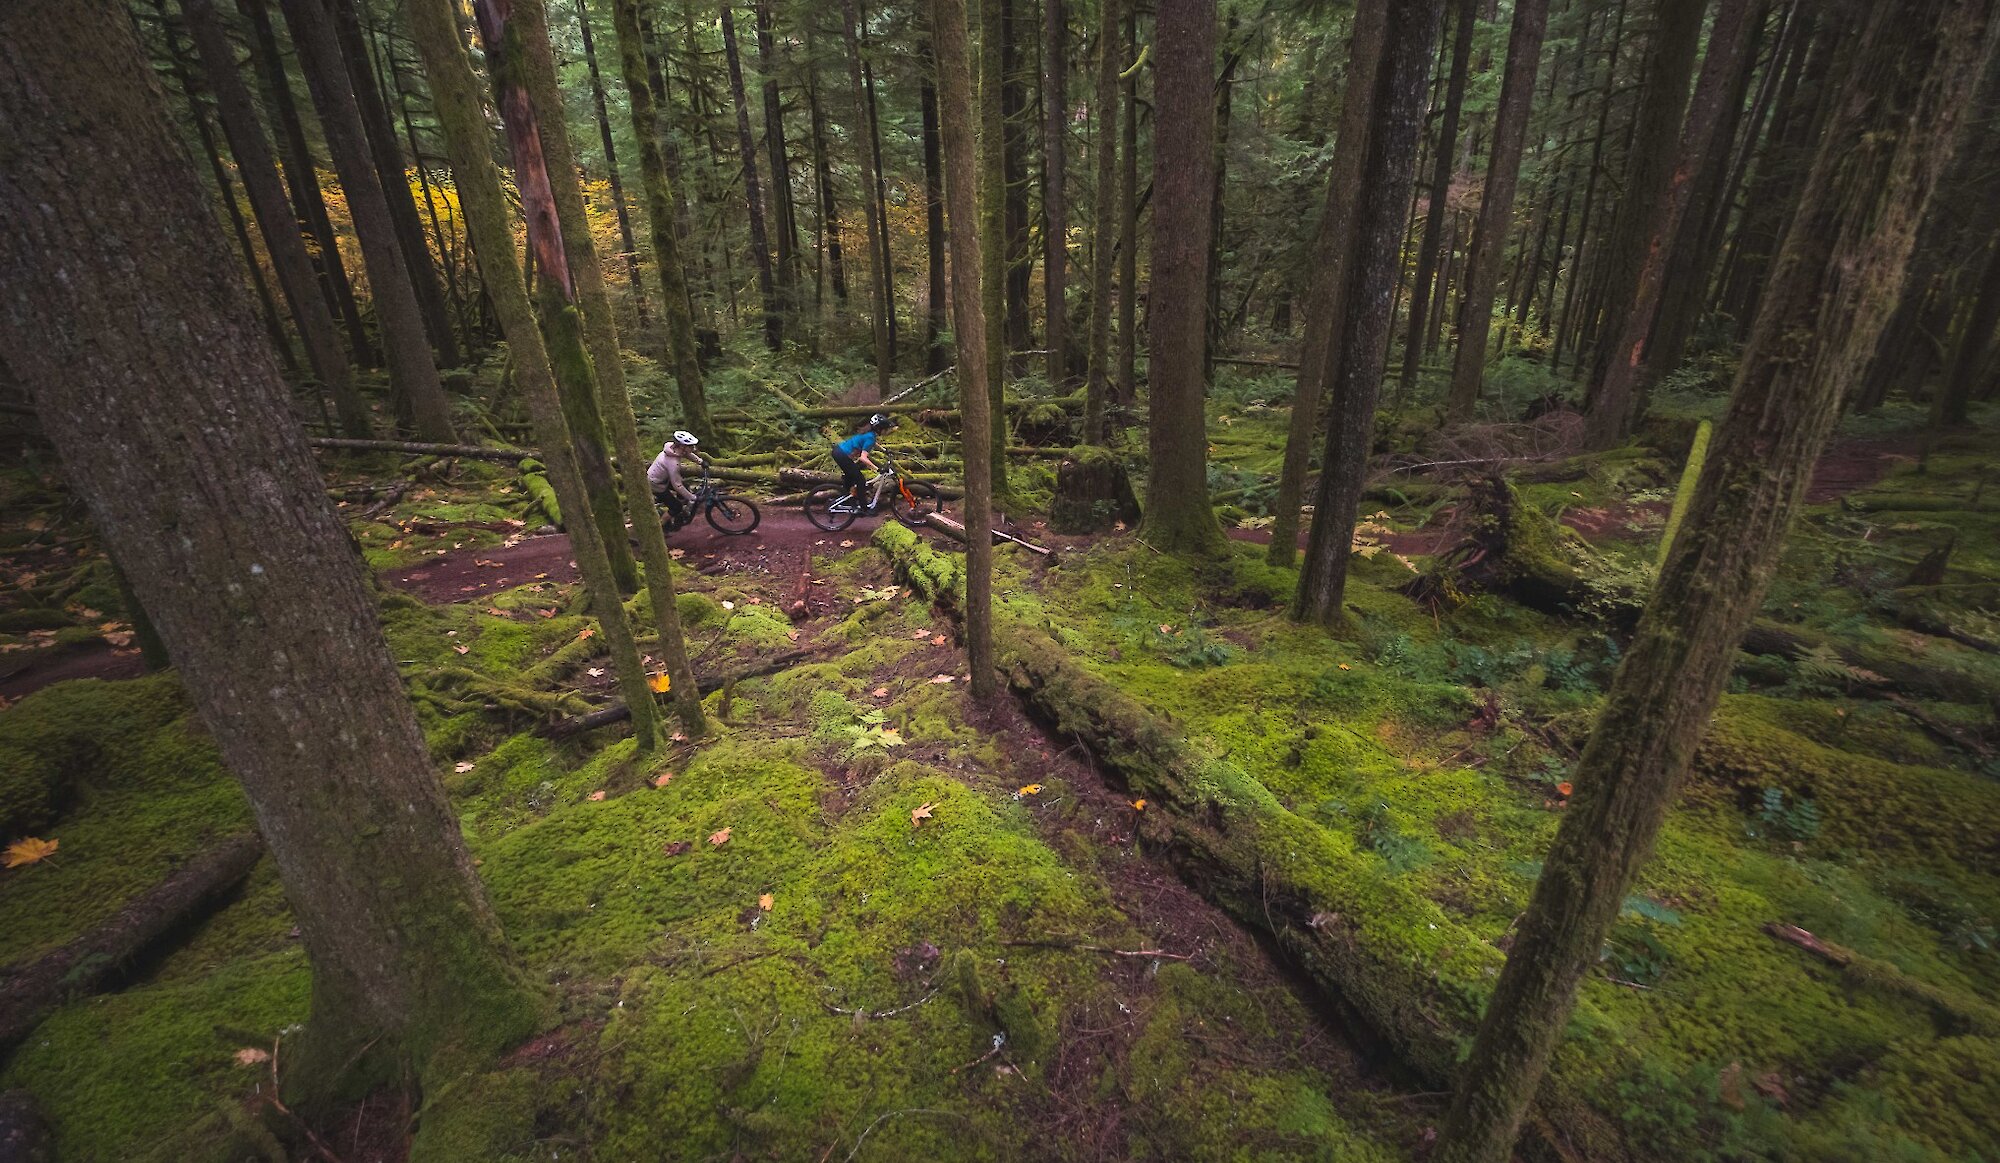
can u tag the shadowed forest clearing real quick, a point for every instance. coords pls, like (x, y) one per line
(1471, 631)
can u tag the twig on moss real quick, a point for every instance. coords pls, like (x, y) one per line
(873, 1014)
(1063, 944)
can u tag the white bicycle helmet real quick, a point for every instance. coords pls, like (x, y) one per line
(686, 437)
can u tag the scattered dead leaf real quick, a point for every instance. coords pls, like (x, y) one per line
(880, 692)
(765, 902)
(597, 795)
(463, 649)
(939, 640)
(918, 815)
(251, 1056)
(719, 838)
(663, 779)
(941, 679)
(1031, 789)
(463, 766)
(659, 683)
(1138, 805)
(586, 632)
(28, 850)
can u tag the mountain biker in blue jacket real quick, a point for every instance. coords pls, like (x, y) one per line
(853, 452)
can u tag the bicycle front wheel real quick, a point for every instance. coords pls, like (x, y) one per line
(732, 514)
(913, 501)
(830, 508)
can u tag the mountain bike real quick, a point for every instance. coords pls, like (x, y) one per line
(726, 512)
(832, 508)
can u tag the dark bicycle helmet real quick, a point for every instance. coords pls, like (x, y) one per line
(881, 421)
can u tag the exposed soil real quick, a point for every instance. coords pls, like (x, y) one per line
(97, 659)
(1849, 466)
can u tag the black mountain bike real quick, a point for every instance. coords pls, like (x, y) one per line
(831, 507)
(727, 512)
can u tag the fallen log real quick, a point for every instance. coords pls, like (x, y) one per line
(799, 478)
(475, 451)
(956, 531)
(80, 967)
(852, 411)
(605, 716)
(1959, 1010)
(1872, 671)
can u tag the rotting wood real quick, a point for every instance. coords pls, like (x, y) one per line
(474, 451)
(956, 532)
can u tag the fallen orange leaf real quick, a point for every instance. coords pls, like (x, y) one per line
(918, 815)
(880, 692)
(596, 795)
(659, 683)
(939, 640)
(29, 851)
(252, 1056)
(463, 649)
(663, 779)
(1344, 666)
(1031, 789)
(719, 838)
(584, 633)
(1139, 805)
(765, 902)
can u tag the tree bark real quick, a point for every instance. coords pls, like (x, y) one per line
(1128, 225)
(1975, 338)
(1496, 209)
(412, 370)
(784, 207)
(993, 241)
(1104, 222)
(1326, 291)
(1467, 20)
(881, 192)
(1055, 193)
(675, 305)
(830, 242)
(1387, 174)
(1020, 29)
(1833, 286)
(1615, 403)
(1178, 518)
(878, 234)
(173, 426)
(625, 237)
(258, 170)
(969, 327)
(760, 243)
(936, 358)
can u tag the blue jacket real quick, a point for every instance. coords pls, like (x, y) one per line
(856, 444)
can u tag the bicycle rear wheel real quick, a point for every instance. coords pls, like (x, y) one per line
(922, 502)
(732, 514)
(829, 507)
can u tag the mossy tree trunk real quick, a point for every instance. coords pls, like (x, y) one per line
(540, 352)
(1386, 175)
(175, 428)
(878, 247)
(1128, 225)
(280, 230)
(675, 305)
(1326, 290)
(412, 370)
(612, 405)
(1104, 223)
(753, 194)
(1834, 283)
(970, 327)
(1178, 517)
(1055, 192)
(993, 141)
(1496, 208)
(936, 358)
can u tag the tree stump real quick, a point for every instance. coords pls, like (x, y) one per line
(1093, 492)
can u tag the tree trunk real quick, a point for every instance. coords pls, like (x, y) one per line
(1326, 291)
(760, 244)
(993, 243)
(174, 427)
(881, 193)
(936, 359)
(1178, 517)
(1975, 337)
(1213, 324)
(878, 231)
(1467, 20)
(1566, 325)
(255, 165)
(675, 305)
(1093, 493)
(784, 209)
(1017, 38)
(302, 178)
(1834, 285)
(1612, 405)
(1496, 209)
(969, 324)
(830, 243)
(1103, 224)
(1055, 192)
(1387, 175)
(412, 371)
(393, 174)
(1128, 226)
(625, 238)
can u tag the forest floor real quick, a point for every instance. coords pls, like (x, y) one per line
(870, 919)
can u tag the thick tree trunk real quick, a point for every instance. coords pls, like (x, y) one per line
(1178, 517)
(1387, 174)
(878, 231)
(1326, 290)
(1055, 192)
(1834, 284)
(1428, 272)
(625, 238)
(169, 415)
(1213, 323)
(1496, 209)
(412, 370)
(784, 208)
(1128, 225)
(1975, 338)
(936, 358)
(302, 179)
(969, 327)
(753, 194)
(258, 170)
(830, 242)
(1017, 41)
(393, 174)
(1614, 404)
(881, 193)
(675, 305)
(1104, 222)
(993, 242)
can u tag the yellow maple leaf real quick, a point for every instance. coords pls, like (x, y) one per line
(1139, 805)
(659, 683)
(919, 815)
(585, 633)
(1031, 789)
(29, 851)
